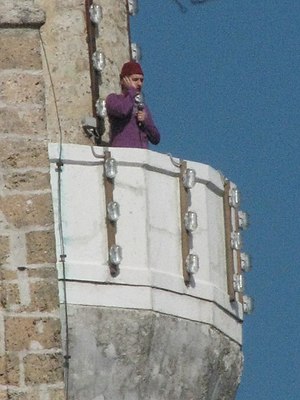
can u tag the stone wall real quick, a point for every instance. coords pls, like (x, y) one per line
(40, 39)
(31, 360)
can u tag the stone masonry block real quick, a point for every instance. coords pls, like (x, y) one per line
(23, 211)
(3, 378)
(16, 395)
(40, 247)
(43, 273)
(44, 296)
(32, 394)
(8, 274)
(22, 154)
(43, 368)
(15, 13)
(58, 394)
(23, 121)
(32, 180)
(32, 333)
(4, 249)
(20, 48)
(12, 295)
(3, 394)
(19, 88)
(68, 4)
(2, 293)
(9, 369)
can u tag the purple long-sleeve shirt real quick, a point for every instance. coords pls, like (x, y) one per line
(124, 128)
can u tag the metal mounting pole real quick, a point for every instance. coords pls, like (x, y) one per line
(110, 225)
(229, 251)
(185, 246)
(92, 32)
(238, 253)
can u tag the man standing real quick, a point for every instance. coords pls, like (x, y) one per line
(131, 124)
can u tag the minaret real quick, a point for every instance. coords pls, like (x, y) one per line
(78, 320)
(31, 357)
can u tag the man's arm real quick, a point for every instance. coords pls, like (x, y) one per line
(120, 106)
(150, 128)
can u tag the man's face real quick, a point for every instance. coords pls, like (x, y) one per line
(137, 81)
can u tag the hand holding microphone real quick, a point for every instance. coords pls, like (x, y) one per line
(141, 114)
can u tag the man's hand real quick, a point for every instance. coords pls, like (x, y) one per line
(127, 82)
(141, 116)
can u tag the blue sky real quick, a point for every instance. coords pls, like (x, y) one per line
(223, 85)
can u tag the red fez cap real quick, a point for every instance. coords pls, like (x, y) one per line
(131, 68)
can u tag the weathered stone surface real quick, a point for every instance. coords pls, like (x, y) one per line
(114, 42)
(16, 13)
(3, 223)
(65, 36)
(43, 368)
(3, 395)
(25, 121)
(8, 275)
(23, 153)
(153, 356)
(44, 296)
(31, 180)
(4, 249)
(21, 88)
(3, 369)
(12, 295)
(2, 298)
(67, 4)
(40, 247)
(17, 395)
(26, 205)
(31, 394)
(9, 369)
(58, 394)
(43, 273)
(28, 210)
(36, 334)
(20, 49)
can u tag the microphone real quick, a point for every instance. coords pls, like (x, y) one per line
(139, 104)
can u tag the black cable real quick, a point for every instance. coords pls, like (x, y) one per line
(59, 164)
